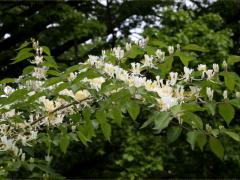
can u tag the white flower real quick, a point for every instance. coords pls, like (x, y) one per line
(9, 144)
(31, 93)
(72, 76)
(179, 91)
(121, 74)
(210, 73)
(48, 158)
(170, 49)
(82, 95)
(118, 52)
(187, 73)
(238, 94)
(148, 61)
(225, 94)
(92, 60)
(142, 42)
(174, 78)
(49, 105)
(57, 119)
(160, 55)
(136, 81)
(9, 114)
(178, 47)
(37, 60)
(33, 135)
(195, 91)
(165, 91)
(8, 90)
(215, 68)
(225, 65)
(66, 92)
(151, 86)
(167, 102)
(128, 46)
(103, 54)
(202, 67)
(109, 69)
(95, 83)
(73, 128)
(136, 68)
(39, 73)
(209, 93)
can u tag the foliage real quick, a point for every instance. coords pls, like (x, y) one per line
(185, 27)
(45, 111)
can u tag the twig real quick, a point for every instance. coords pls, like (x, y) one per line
(57, 109)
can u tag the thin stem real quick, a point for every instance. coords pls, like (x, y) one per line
(57, 109)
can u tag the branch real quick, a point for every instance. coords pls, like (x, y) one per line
(57, 109)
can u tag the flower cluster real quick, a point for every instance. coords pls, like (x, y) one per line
(52, 101)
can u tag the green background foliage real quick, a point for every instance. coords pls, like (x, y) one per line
(75, 29)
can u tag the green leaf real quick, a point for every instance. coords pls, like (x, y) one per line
(233, 135)
(194, 47)
(64, 142)
(201, 140)
(82, 138)
(105, 126)
(61, 87)
(226, 111)
(50, 62)
(196, 138)
(46, 50)
(135, 51)
(192, 138)
(147, 123)
(54, 73)
(216, 147)
(193, 120)
(150, 50)
(89, 129)
(22, 56)
(235, 102)
(101, 116)
(157, 43)
(72, 69)
(17, 95)
(117, 114)
(52, 81)
(233, 59)
(191, 107)
(35, 97)
(133, 109)
(229, 79)
(166, 67)
(28, 70)
(23, 45)
(86, 113)
(184, 57)
(211, 107)
(173, 133)
(7, 80)
(162, 120)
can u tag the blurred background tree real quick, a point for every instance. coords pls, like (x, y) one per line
(74, 29)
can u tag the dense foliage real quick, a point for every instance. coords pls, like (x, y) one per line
(45, 110)
(75, 29)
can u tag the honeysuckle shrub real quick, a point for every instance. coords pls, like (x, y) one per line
(47, 109)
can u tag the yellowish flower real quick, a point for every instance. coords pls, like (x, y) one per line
(81, 95)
